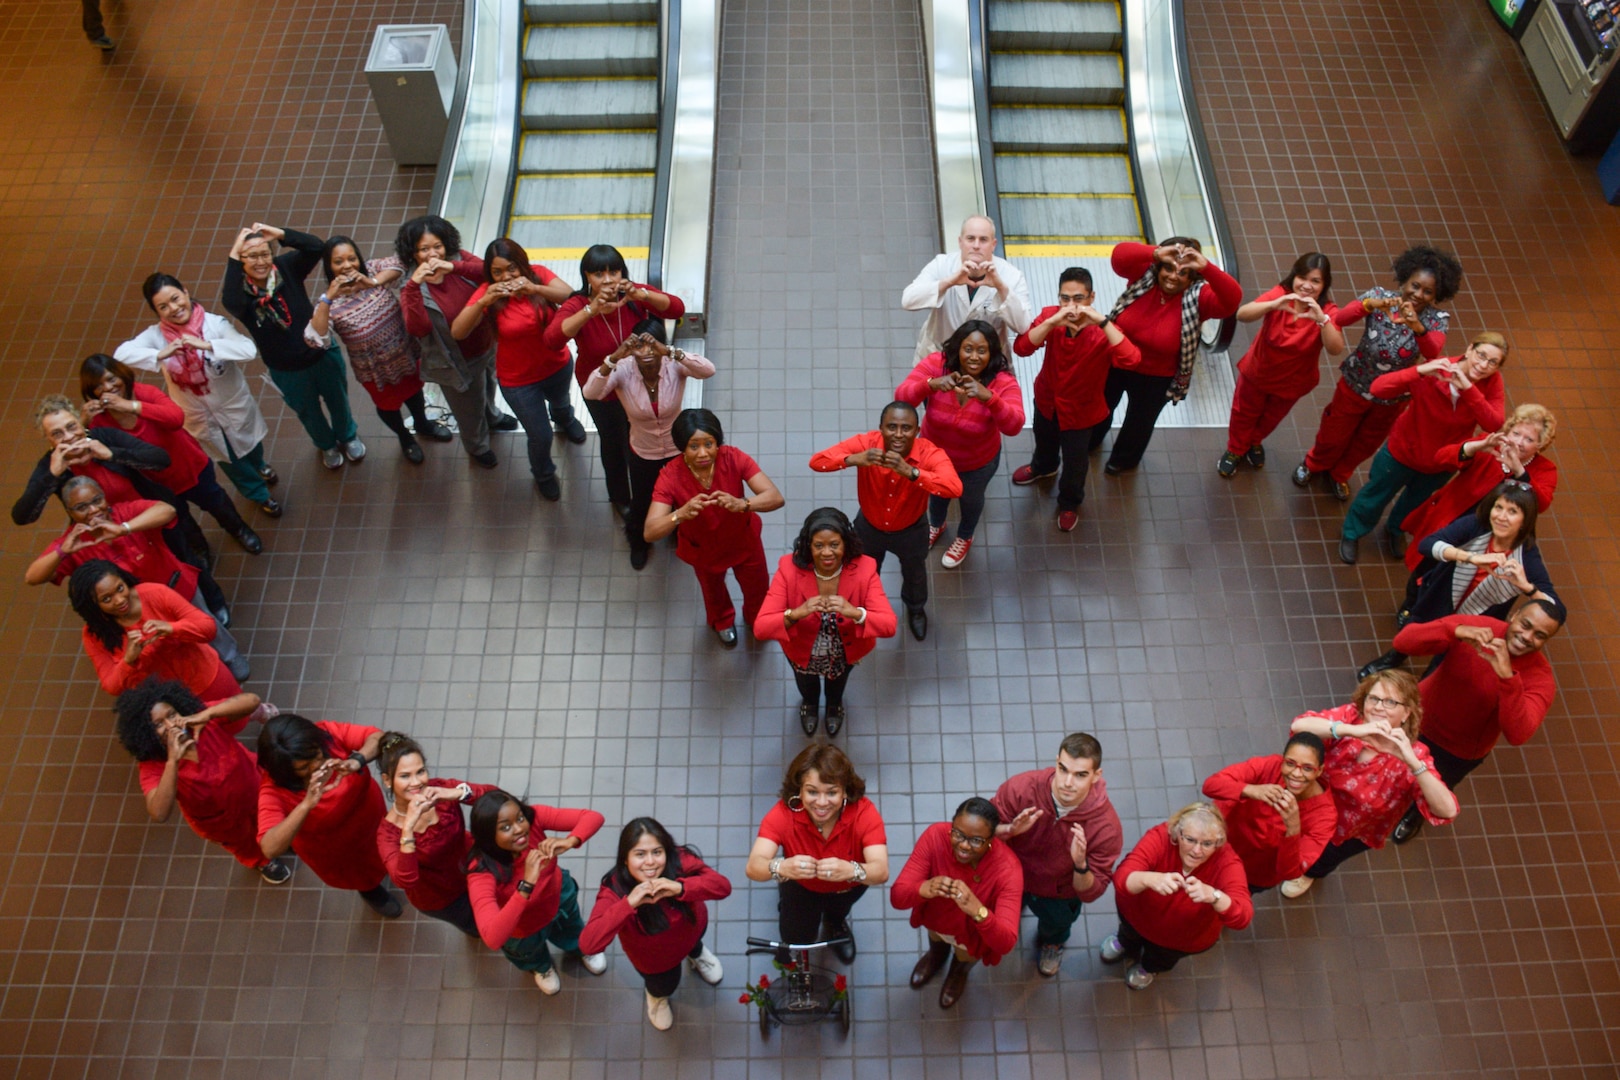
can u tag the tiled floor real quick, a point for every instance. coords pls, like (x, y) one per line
(1184, 622)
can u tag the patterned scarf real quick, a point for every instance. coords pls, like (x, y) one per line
(186, 365)
(267, 304)
(1189, 327)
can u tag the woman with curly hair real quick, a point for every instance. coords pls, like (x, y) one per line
(133, 630)
(1402, 324)
(189, 757)
(653, 901)
(972, 400)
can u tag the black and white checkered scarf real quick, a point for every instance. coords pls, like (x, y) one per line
(1189, 326)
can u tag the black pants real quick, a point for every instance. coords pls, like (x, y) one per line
(1073, 448)
(643, 476)
(459, 915)
(910, 546)
(207, 496)
(1141, 413)
(613, 444)
(93, 26)
(1332, 856)
(661, 984)
(1153, 958)
(810, 688)
(801, 911)
(394, 419)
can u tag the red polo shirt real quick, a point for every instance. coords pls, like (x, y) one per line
(857, 828)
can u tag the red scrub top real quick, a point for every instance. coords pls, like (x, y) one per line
(717, 538)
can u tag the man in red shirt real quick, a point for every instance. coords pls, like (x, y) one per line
(1491, 680)
(1067, 836)
(1071, 415)
(898, 471)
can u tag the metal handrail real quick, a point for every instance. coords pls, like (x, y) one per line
(458, 108)
(1206, 168)
(979, 54)
(668, 93)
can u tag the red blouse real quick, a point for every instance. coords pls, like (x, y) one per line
(162, 424)
(184, 655)
(716, 539)
(143, 554)
(1177, 921)
(857, 828)
(998, 882)
(522, 356)
(218, 793)
(504, 913)
(1285, 357)
(1255, 830)
(1371, 795)
(338, 839)
(601, 334)
(433, 875)
(652, 953)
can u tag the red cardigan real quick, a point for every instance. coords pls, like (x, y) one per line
(1044, 849)
(998, 882)
(162, 424)
(1433, 420)
(433, 876)
(1153, 321)
(1467, 706)
(1073, 371)
(1256, 831)
(1176, 921)
(184, 655)
(858, 583)
(1464, 491)
(451, 295)
(889, 501)
(503, 913)
(652, 953)
(968, 431)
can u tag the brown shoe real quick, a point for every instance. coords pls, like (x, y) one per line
(955, 982)
(929, 965)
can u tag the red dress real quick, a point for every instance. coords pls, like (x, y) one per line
(339, 837)
(143, 554)
(218, 793)
(998, 882)
(651, 954)
(434, 875)
(162, 423)
(718, 540)
(184, 655)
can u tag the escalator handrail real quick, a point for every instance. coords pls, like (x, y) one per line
(458, 109)
(979, 54)
(668, 94)
(1206, 168)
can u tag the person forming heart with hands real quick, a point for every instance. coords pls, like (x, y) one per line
(1278, 815)
(972, 282)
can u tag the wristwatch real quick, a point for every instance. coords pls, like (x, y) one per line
(860, 871)
(525, 887)
(776, 868)
(982, 914)
(360, 759)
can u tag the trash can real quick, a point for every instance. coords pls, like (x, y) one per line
(412, 74)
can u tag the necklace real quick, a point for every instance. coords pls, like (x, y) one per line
(834, 577)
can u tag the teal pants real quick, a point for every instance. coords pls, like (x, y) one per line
(1054, 918)
(1388, 480)
(243, 473)
(327, 381)
(532, 953)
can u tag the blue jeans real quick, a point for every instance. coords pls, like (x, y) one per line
(974, 482)
(529, 403)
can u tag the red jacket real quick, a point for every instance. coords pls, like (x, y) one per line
(859, 584)
(601, 334)
(1284, 358)
(1153, 321)
(652, 953)
(434, 875)
(1176, 921)
(1467, 706)
(184, 655)
(1073, 371)
(1044, 849)
(162, 424)
(890, 501)
(1256, 831)
(998, 882)
(1433, 420)
(503, 913)
(968, 431)
(1464, 491)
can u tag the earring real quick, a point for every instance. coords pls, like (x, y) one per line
(796, 809)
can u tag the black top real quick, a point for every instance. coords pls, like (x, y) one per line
(282, 348)
(130, 456)
(1434, 578)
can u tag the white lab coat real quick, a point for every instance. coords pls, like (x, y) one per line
(228, 413)
(953, 308)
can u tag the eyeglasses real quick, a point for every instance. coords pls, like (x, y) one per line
(976, 843)
(1384, 702)
(1298, 767)
(90, 504)
(1520, 484)
(1201, 845)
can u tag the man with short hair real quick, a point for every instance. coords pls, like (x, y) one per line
(1492, 680)
(969, 283)
(1065, 832)
(898, 471)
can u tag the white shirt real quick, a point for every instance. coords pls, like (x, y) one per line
(955, 307)
(228, 413)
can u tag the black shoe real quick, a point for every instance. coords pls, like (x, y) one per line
(1402, 617)
(1302, 476)
(276, 872)
(412, 450)
(1115, 470)
(574, 432)
(1397, 539)
(1348, 549)
(1391, 659)
(808, 719)
(638, 556)
(728, 636)
(1256, 457)
(487, 459)
(104, 43)
(382, 902)
(844, 950)
(834, 724)
(1407, 827)
(269, 475)
(917, 619)
(1227, 466)
(435, 431)
(549, 488)
(271, 508)
(1341, 491)
(249, 540)
(505, 423)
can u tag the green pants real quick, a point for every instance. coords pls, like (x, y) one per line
(327, 381)
(531, 953)
(1387, 479)
(1054, 918)
(243, 473)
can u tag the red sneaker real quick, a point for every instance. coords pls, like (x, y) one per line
(1067, 520)
(1025, 475)
(934, 533)
(956, 553)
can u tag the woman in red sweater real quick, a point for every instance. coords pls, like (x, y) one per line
(534, 376)
(711, 498)
(826, 606)
(189, 757)
(132, 631)
(1175, 890)
(653, 901)
(1449, 398)
(421, 839)
(317, 800)
(114, 397)
(1278, 815)
(972, 400)
(1516, 452)
(1281, 366)
(520, 897)
(598, 319)
(1173, 288)
(967, 891)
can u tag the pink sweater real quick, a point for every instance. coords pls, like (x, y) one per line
(969, 432)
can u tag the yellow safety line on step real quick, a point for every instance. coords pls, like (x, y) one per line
(1036, 251)
(1068, 194)
(1063, 153)
(573, 253)
(588, 78)
(596, 175)
(581, 217)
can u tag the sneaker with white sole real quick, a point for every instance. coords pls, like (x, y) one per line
(1294, 888)
(934, 533)
(956, 554)
(1138, 978)
(659, 1014)
(354, 449)
(1113, 949)
(332, 458)
(1049, 959)
(595, 962)
(549, 982)
(707, 966)
(276, 872)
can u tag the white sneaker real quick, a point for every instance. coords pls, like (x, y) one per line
(658, 1012)
(354, 449)
(332, 458)
(595, 962)
(549, 982)
(1138, 978)
(707, 965)
(1113, 950)
(1294, 888)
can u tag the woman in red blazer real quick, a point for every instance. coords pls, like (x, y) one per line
(826, 576)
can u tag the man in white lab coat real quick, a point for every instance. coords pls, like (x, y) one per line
(971, 283)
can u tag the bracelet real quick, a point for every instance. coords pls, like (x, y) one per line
(127, 529)
(675, 518)
(776, 868)
(1419, 771)
(860, 617)
(748, 505)
(324, 299)
(1333, 730)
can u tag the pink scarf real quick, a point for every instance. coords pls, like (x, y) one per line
(185, 365)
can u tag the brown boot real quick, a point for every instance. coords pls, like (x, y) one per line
(929, 965)
(955, 982)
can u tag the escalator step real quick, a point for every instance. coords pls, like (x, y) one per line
(1057, 78)
(588, 151)
(631, 235)
(549, 104)
(583, 194)
(1069, 217)
(1086, 174)
(566, 11)
(1066, 24)
(1047, 128)
(593, 50)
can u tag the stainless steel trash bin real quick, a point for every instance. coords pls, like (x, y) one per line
(412, 74)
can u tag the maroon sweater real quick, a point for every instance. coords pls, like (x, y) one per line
(1044, 849)
(652, 953)
(432, 876)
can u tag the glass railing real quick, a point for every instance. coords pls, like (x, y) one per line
(474, 185)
